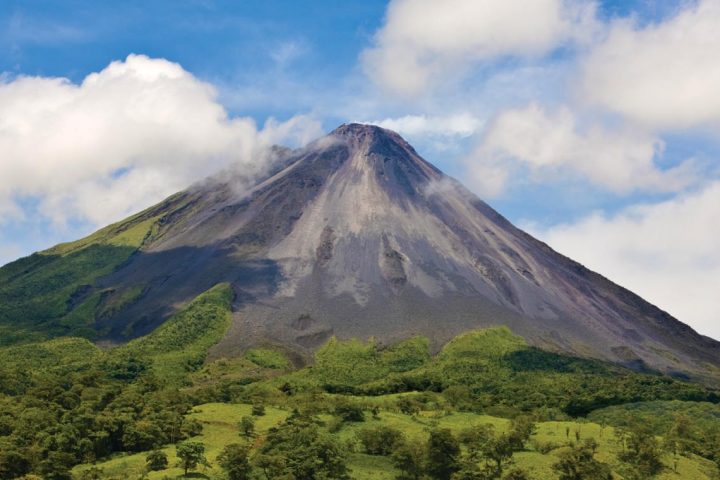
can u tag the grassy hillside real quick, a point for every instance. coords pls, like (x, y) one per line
(25, 365)
(53, 293)
(490, 369)
(180, 344)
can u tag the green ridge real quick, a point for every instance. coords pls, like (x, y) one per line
(52, 293)
(181, 343)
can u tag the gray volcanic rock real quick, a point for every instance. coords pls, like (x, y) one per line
(356, 235)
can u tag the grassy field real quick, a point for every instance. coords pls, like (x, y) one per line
(220, 427)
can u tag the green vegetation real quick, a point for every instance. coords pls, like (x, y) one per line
(579, 463)
(490, 370)
(220, 428)
(487, 406)
(180, 344)
(380, 440)
(300, 448)
(191, 454)
(156, 460)
(79, 403)
(38, 294)
(234, 460)
(443, 454)
(265, 357)
(54, 293)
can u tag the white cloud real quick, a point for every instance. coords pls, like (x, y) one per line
(124, 138)
(424, 41)
(460, 125)
(663, 75)
(667, 253)
(552, 143)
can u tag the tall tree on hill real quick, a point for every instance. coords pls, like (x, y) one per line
(443, 454)
(234, 460)
(191, 454)
(409, 459)
(521, 428)
(247, 426)
(299, 449)
(642, 454)
(579, 463)
(498, 453)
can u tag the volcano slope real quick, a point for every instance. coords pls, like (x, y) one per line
(354, 235)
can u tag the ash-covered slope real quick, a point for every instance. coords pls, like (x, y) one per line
(357, 236)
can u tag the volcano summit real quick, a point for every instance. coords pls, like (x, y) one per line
(354, 235)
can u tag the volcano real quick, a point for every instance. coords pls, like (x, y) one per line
(355, 235)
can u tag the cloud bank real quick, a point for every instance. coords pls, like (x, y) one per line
(553, 144)
(424, 42)
(664, 75)
(665, 252)
(125, 137)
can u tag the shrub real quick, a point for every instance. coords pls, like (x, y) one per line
(443, 454)
(408, 406)
(349, 412)
(156, 460)
(247, 426)
(544, 447)
(234, 460)
(579, 463)
(380, 440)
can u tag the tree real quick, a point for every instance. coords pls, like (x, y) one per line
(92, 473)
(459, 396)
(191, 454)
(247, 426)
(516, 474)
(57, 466)
(156, 460)
(498, 453)
(299, 449)
(234, 460)
(190, 428)
(409, 459)
(13, 464)
(142, 435)
(642, 453)
(272, 466)
(521, 428)
(349, 412)
(380, 440)
(475, 438)
(681, 438)
(408, 406)
(258, 410)
(494, 450)
(443, 453)
(470, 469)
(579, 463)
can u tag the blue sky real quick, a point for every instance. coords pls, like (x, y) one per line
(592, 124)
